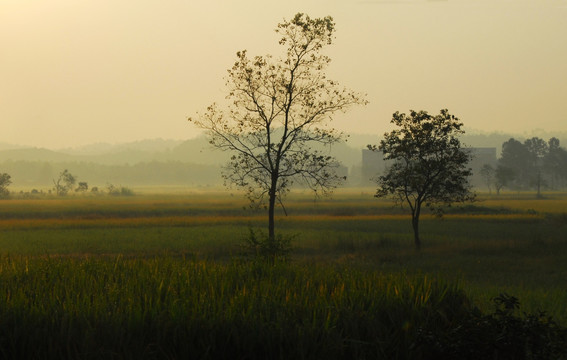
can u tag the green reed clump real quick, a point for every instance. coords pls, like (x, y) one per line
(171, 308)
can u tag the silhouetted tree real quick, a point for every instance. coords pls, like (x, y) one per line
(533, 163)
(82, 187)
(487, 172)
(503, 176)
(5, 181)
(537, 150)
(64, 183)
(555, 162)
(278, 112)
(516, 158)
(428, 164)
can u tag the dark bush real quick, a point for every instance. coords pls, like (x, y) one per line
(501, 335)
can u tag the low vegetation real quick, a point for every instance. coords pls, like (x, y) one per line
(166, 277)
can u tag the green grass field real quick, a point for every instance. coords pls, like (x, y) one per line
(148, 271)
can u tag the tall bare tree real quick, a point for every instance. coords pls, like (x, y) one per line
(276, 122)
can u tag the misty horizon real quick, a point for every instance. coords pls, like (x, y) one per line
(104, 145)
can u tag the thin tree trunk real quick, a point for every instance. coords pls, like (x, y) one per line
(271, 221)
(271, 210)
(538, 185)
(271, 226)
(415, 225)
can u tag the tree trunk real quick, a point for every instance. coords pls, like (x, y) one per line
(415, 225)
(538, 185)
(271, 245)
(271, 212)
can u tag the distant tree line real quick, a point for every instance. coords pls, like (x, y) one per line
(532, 165)
(5, 181)
(63, 184)
(43, 174)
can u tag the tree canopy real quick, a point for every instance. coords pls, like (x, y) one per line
(427, 163)
(533, 164)
(5, 181)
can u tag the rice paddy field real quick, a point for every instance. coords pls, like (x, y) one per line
(164, 275)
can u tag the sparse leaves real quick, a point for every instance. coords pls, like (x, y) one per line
(278, 109)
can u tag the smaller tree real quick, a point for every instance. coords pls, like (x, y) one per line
(555, 163)
(515, 157)
(537, 149)
(503, 176)
(487, 172)
(64, 183)
(428, 163)
(82, 187)
(5, 181)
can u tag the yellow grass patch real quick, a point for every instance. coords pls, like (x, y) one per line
(9, 224)
(144, 221)
(493, 216)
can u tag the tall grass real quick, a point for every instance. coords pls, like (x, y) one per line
(173, 308)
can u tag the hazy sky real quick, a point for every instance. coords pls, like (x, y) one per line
(75, 72)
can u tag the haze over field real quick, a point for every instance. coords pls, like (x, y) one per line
(75, 73)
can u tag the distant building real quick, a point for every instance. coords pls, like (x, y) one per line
(373, 165)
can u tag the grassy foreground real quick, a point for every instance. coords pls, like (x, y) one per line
(162, 277)
(173, 308)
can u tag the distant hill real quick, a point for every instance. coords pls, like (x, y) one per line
(147, 145)
(34, 154)
(198, 151)
(7, 146)
(158, 161)
(194, 151)
(148, 162)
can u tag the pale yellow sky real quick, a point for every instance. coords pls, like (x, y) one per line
(75, 72)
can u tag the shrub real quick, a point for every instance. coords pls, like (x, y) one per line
(124, 191)
(259, 246)
(500, 335)
(119, 191)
